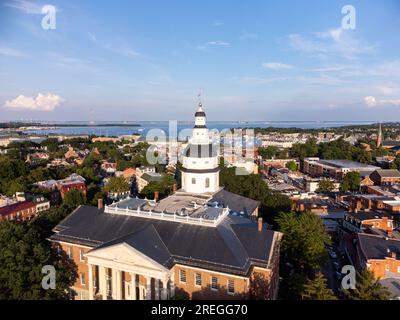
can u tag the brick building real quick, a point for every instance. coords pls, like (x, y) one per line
(379, 254)
(198, 245)
(335, 169)
(385, 177)
(19, 211)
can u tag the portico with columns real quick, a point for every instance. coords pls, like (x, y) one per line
(120, 272)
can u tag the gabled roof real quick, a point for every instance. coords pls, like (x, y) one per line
(151, 177)
(148, 242)
(388, 173)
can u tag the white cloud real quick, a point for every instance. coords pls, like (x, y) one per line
(248, 36)
(276, 65)
(25, 6)
(219, 43)
(334, 42)
(372, 101)
(42, 102)
(258, 80)
(11, 52)
(92, 37)
(217, 23)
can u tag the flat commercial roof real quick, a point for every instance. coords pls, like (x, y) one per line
(348, 164)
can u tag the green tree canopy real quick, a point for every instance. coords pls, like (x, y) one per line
(351, 182)
(291, 165)
(268, 152)
(23, 253)
(325, 185)
(117, 185)
(367, 288)
(73, 199)
(305, 239)
(252, 186)
(164, 187)
(301, 151)
(317, 289)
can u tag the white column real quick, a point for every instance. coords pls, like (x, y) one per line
(114, 284)
(90, 281)
(156, 289)
(148, 288)
(172, 288)
(133, 286)
(103, 282)
(118, 288)
(164, 290)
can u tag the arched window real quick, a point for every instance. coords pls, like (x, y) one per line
(207, 182)
(193, 180)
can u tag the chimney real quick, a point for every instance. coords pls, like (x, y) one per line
(393, 255)
(100, 203)
(155, 196)
(260, 224)
(174, 188)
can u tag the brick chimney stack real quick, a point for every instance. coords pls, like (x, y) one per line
(100, 203)
(260, 224)
(155, 196)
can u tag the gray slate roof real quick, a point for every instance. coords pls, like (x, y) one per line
(388, 173)
(235, 202)
(376, 247)
(233, 246)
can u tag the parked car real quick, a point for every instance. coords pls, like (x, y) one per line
(336, 265)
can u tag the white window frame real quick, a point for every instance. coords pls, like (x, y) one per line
(195, 279)
(81, 257)
(69, 252)
(211, 283)
(82, 277)
(182, 272)
(227, 286)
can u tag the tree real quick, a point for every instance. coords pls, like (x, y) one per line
(325, 185)
(73, 199)
(301, 151)
(23, 253)
(396, 163)
(117, 185)
(305, 239)
(252, 186)
(317, 289)
(351, 182)
(163, 187)
(268, 152)
(367, 288)
(291, 165)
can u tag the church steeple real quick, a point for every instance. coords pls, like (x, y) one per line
(379, 139)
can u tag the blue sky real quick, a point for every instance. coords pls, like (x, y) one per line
(253, 60)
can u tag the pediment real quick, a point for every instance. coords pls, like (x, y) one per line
(126, 255)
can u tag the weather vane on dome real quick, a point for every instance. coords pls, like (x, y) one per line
(199, 96)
